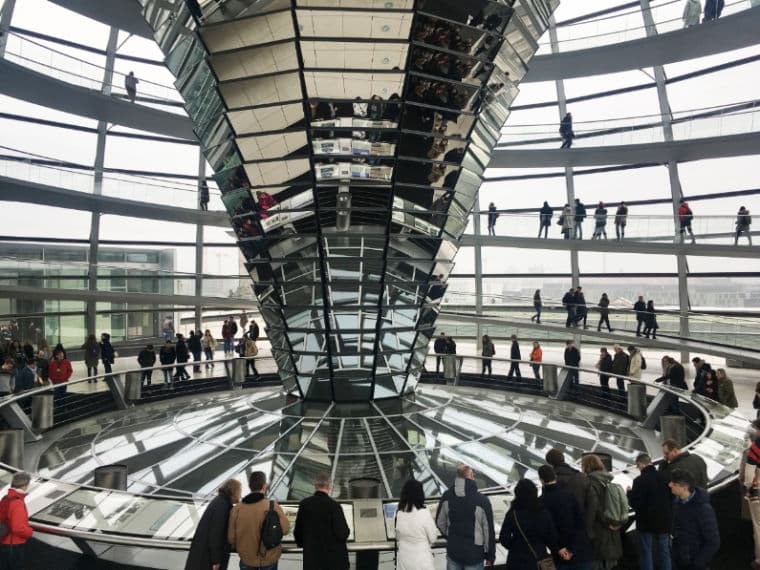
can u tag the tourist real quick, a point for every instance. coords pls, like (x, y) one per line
(701, 368)
(195, 348)
(208, 343)
(743, 221)
(650, 320)
(210, 547)
(487, 353)
(167, 355)
(750, 482)
(566, 131)
(673, 373)
(605, 536)
(130, 84)
(493, 215)
(415, 529)
(573, 481)
(713, 9)
(228, 338)
(650, 497)
(567, 221)
(146, 359)
(640, 308)
(107, 352)
(619, 367)
(204, 196)
(545, 219)
(685, 217)
(600, 222)
(568, 302)
(635, 362)
(536, 356)
(59, 373)
(439, 347)
(726, 393)
(675, 458)
(528, 532)
(572, 362)
(537, 305)
(708, 387)
(7, 376)
(14, 514)
(621, 219)
(604, 313)
(91, 357)
(574, 551)
(580, 216)
(514, 357)
(246, 522)
(465, 518)
(604, 365)
(692, 11)
(183, 356)
(324, 545)
(695, 535)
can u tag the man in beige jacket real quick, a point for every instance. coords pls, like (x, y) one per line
(246, 520)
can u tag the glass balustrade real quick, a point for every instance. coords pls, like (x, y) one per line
(626, 26)
(722, 121)
(71, 69)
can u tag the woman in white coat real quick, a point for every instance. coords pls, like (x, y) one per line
(415, 529)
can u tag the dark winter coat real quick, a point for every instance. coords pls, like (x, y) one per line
(568, 518)
(514, 351)
(107, 353)
(194, 344)
(605, 365)
(620, 364)
(641, 309)
(210, 544)
(546, 213)
(579, 487)
(695, 532)
(652, 500)
(321, 530)
(440, 345)
(183, 355)
(463, 514)
(675, 376)
(253, 332)
(146, 358)
(167, 355)
(538, 528)
(572, 356)
(91, 353)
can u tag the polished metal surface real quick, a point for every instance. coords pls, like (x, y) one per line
(349, 141)
(12, 447)
(111, 477)
(673, 427)
(42, 411)
(188, 446)
(637, 401)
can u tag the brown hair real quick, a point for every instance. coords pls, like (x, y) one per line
(230, 488)
(591, 463)
(671, 444)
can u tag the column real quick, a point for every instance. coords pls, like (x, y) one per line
(6, 14)
(199, 246)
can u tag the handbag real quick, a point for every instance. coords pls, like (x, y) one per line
(543, 564)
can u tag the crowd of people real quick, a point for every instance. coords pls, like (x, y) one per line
(577, 522)
(692, 11)
(30, 365)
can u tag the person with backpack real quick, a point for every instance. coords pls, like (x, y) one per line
(685, 216)
(91, 356)
(321, 529)
(636, 362)
(609, 507)
(147, 360)
(14, 523)
(257, 525)
(210, 548)
(743, 222)
(650, 498)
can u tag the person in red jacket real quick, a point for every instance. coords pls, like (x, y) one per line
(59, 372)
(14, 516)
(685, 216)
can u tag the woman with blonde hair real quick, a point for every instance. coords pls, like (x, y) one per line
(210, 549)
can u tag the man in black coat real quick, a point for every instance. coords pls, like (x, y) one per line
(573, 359)
(573, 481)
(183, 355)
(321, 529)
(651, 498)
(568, 302)
(568, 518)
(677, 459)
(194, 346)
(696, 539)
(210, 548)
(514, 355)
(620, 366)
(640, 307)
(701, 368)
(439, 347)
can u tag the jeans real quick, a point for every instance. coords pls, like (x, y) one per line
(452, 565)
(578, 230)
(209, 353)
(167, 375)
(196, 358)
(12, 557)
(107, 366)
(244, 566)
(604, 319)
(537, 316)
(486, 366)
(537, 371)
(646, 540)
(228, 345)
(572, 375)
(514, 370)
(620, 231)
(438, 361)
(146, 375)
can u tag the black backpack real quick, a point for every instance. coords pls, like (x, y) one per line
(271, 529)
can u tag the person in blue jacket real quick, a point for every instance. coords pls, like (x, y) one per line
(696, 539)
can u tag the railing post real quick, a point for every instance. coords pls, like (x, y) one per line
(637, 400)
(450, 367)
(550, 378)
(660, 405)
(116, 387)
(134, 386)
(15, 417)
(564, 380)
(673, 427)
(12, 447)
(236, 369)
(42, 411)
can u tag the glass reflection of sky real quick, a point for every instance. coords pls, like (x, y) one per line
(189, 446)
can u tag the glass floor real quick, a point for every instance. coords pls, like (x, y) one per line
(189, 446)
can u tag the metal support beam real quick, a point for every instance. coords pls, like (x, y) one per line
(478, 270)
(116, 387)
(100, 155)
(675, 181)
(199, 246)
(15, 417)
(6, 15)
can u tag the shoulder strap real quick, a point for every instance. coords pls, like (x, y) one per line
(533, 552)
